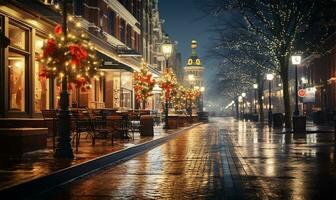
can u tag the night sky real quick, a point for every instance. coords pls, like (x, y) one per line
(184, 21)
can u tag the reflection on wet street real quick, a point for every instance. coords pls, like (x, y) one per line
(288, 166)
(224, 159)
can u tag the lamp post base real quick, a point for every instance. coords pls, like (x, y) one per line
(270, 118)
(63, 148)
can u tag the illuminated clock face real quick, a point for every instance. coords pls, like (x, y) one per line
(190, 62)
(198, 61)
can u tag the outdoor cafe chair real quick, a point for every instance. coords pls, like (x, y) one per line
(100, 126)
(120, 125)
(82, 123)
(51, 115)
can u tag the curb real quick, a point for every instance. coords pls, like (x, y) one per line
(30, 188)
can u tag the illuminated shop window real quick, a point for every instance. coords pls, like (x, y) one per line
(16, 81)
(17, 37)
(41, 84)
(126, 90)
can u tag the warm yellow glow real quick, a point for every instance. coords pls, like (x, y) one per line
(296, 60)
(202, 89)
(78, 24)
(269, 77)
(191, 77)
(167, 49)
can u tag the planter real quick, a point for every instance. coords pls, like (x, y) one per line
(278, 120)
(318, 117)
(182, 121)
(173, 121)
(299, 124)
(146, 125)
(203, 116)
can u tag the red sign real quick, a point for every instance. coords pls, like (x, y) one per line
(302, 92)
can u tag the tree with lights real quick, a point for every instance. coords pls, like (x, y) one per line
(143, 84)
(244, 58)
(279, 24)
(179, 98)
(70, 55)
(168, 84)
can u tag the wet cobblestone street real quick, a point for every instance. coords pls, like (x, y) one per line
(224, 159)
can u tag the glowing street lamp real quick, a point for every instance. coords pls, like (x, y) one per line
(255, 87)
(296, 60)
(166, 50)
(269, 77)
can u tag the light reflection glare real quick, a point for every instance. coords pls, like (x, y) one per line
(311, 138)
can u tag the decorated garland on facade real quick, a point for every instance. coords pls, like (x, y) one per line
(74, 57)
(143, 83)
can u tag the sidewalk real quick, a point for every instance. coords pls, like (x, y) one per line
(310, 128)
(29, 166)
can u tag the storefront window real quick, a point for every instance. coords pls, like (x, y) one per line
(116, 90)
(41, 92)
(126, 90)
(16, 73)
(17, 36)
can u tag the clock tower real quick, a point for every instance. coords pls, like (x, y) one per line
(193, 71)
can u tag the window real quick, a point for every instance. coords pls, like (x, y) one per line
(16, 73)
(41, 84)
(126, 90)
(17, 64)
(111, 22)
(129, 36)
(17, 37)
(78, 7)
(122, 30)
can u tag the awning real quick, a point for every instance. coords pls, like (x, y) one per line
(110, 63)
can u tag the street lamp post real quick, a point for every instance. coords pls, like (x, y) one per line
(255, 87)
(166, 49)
(191, 79)
(243, 98)
(202, 98)
(269, 77)
(296, 60)
(240, 99)
(63, 148)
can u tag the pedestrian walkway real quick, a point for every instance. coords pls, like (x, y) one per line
(29, 166)
(198, 164)
(225, 159)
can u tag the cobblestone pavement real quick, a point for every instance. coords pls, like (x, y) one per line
(224, 159)
(198, 164)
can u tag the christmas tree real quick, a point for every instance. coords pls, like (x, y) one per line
(143, 84)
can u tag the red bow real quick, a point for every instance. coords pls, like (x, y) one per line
(77, 54)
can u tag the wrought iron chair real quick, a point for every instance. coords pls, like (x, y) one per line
(51, 115)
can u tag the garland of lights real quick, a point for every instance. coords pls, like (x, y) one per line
(73, 56)
(143, 83)
(167, 83)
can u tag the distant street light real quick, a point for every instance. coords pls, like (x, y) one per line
(243, 98)
(269, 77)
(255, 87)
(296, 60)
